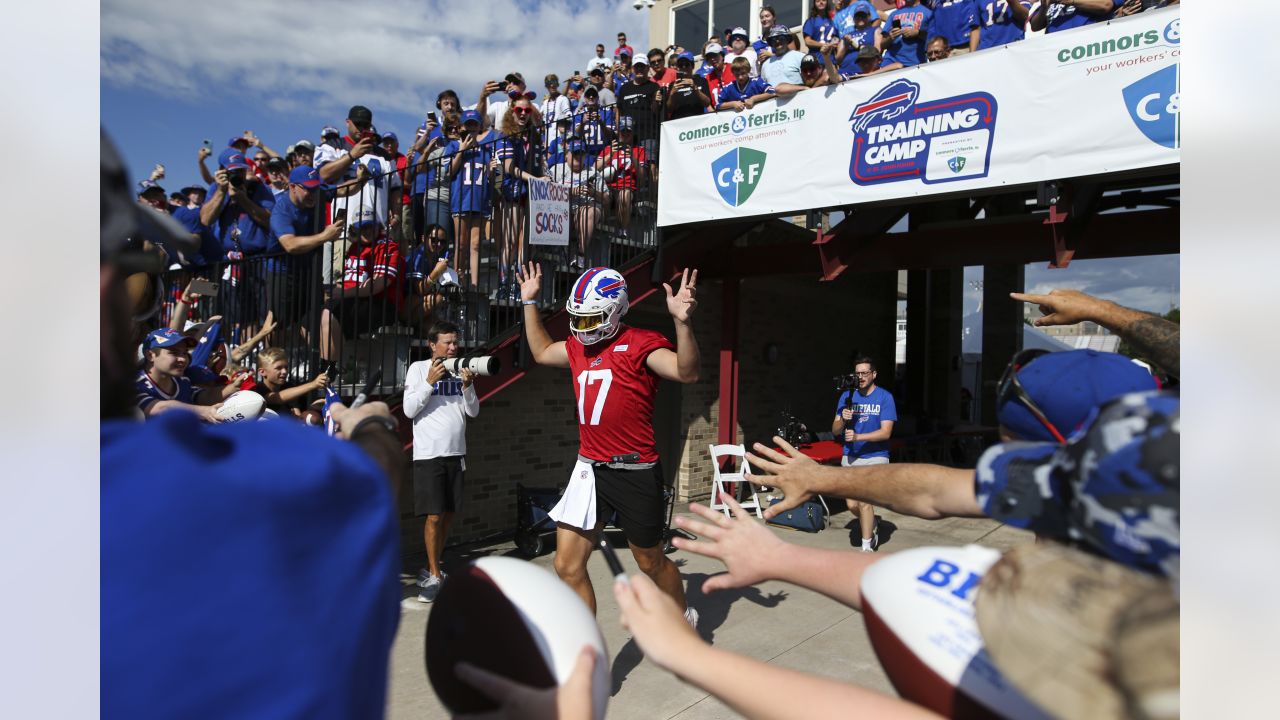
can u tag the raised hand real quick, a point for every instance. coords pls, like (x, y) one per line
(681, 304)
(530, 279)
(750, 553)
(268, 323)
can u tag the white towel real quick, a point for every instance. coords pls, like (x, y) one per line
(577, 507)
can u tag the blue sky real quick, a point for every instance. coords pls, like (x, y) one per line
(173, 77)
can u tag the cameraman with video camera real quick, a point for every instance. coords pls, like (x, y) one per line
(438, 403)
(864, 420)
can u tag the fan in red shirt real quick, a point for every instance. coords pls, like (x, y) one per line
(615, 371)
(368, 295)
(626, 159)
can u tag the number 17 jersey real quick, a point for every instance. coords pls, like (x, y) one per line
(615, 391)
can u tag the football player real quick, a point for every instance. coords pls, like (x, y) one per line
(615, 371)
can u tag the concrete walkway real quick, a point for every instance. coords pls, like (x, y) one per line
(774, 622)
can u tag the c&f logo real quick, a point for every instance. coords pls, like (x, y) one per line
(1153, 105)
(956, 163)
(736, 174)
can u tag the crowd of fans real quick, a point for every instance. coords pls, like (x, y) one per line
(359, 231)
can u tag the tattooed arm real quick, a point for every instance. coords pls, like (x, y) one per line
(1153, 336)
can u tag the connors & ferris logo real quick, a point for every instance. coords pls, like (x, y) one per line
(737, 173)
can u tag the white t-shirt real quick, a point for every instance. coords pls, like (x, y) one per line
(496, 109)
(749, 54)
(553, 110)
(439, 413)
(602, 63)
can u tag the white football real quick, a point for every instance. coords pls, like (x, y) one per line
(918, 607)
(608, 172)
(242, 405)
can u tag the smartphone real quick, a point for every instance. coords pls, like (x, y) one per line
(897, 23)
(431, 117)
(204, 287)
(368, 134)
(207, 144)
(330, 369)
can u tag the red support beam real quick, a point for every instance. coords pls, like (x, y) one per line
(728, 432)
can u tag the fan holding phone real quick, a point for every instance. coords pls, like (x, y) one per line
(904, 33)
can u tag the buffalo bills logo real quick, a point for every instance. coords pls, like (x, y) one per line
(893, 100)
(609, 287)
(596, 362)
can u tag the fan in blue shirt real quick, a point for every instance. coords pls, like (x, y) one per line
(846, 17)
(1003, 22)
(954, 21)
(1055, 16)
(819, 28)
(742, 89)
(905, 43)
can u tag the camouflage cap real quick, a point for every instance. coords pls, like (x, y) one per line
(1112, 490)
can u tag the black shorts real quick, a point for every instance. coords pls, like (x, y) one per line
(636, 495)
(437, 485)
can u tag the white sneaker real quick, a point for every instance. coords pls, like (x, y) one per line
(691, 617)
(430, 589)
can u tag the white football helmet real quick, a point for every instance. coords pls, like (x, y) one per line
(596, 305)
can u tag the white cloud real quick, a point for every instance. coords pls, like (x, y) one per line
(321, 55)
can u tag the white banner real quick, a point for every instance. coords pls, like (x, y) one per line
(548, 212)
(1103, 98)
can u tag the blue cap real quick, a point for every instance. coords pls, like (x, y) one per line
(146, 185)
(1113, 489)
(236, 139)
(232, 159)
(470, 116)
(686, 55)
(165, 337)
(328, 130)
(1067, 386)
(390, 136)
(576, 146)
(306, 176)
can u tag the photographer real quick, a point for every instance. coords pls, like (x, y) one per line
(865, 415)
(689, 94)
(438, 403)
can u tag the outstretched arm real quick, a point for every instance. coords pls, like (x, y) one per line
(1153, 336)
(541, 347)
(925, 491)
(662, 633)
(681, 365)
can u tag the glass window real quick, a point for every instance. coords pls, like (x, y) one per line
(691, 26)
(789, 12)
(730, 14)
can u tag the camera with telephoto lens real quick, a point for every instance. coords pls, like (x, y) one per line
(485, 365)
(235, 178)
(793, 431)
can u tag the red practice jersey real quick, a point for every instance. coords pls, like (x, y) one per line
(615, 390)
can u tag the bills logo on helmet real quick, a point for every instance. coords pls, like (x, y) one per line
(898, 138)
(609, 287)
(1153, 104)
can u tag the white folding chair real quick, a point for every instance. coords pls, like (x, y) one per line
(720, 480)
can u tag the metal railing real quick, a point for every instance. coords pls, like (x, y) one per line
(477, 200)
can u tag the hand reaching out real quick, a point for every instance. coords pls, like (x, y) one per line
(749, 551)
(792, 473)
(655, 621)
(681, 304)
(1063, 307)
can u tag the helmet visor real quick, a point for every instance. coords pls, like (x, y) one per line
(587, 322)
